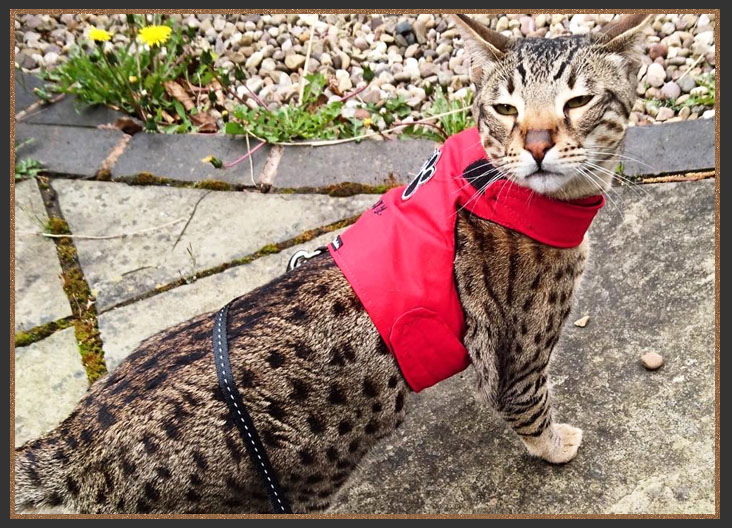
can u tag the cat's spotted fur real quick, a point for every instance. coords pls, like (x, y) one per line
(155, 436)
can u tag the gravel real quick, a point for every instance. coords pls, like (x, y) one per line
(408, 54)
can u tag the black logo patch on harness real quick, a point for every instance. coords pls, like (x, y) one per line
(425, 174)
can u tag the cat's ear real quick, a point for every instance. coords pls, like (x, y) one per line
(483, 45)
(625, 35)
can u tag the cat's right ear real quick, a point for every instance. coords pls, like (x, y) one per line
(483, 45)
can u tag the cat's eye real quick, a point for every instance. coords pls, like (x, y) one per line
(577, 102)
(505, 109)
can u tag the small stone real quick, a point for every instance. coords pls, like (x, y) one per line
(527, 25)
(664, 113)
(293, 62)
(344, 80)
(428, 68)
(403, 28)
(50, 58)
(412, 51)
(709, 114)
(255, 83)
(582, 321)
(420, 31)
(255, 59)
(656, 75)
(657, 50)
(670, 90)
(668, 28)
(686, 83)
(361, 43)
(652, 361)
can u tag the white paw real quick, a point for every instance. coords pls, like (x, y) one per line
(566, 442)
(558, 444)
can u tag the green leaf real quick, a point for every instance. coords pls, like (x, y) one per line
(235, 129)
(368, 74)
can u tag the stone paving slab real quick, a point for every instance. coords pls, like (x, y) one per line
(369, 163)
(649, 436)
(49, 382)
(74, 151)
(178, 157)
(685, 146)
(225, 226)
(71, 112)
(123, 329)
(24, 85)
(39, 294)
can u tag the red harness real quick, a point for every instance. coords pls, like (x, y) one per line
(399, 255)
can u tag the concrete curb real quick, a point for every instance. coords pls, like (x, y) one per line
(655, 150)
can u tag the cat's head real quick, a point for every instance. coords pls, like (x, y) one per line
(552, 113)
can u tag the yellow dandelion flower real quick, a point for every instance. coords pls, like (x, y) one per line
(99, 35)
(368, 122)
(155, 35)
(132, 79)
(208, 159)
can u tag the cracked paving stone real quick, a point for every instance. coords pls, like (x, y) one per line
(648, 436)
(123, 329)
(49, 382)
(39, 294)
(225, 226)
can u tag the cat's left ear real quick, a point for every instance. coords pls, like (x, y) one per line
(483, 45)
(625, 35)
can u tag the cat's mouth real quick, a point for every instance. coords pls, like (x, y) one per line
(544, 174)
(544, 181)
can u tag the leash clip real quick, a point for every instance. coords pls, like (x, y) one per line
(302, 256)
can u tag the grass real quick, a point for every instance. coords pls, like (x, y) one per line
(316, 118)
(26, 168)
(312, 118)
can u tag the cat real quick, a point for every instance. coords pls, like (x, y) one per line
(155, 436)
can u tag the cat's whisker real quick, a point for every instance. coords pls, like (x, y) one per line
(614, 175)
(619, 157)
(594, 180)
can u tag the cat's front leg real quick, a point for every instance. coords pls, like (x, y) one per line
(526, 406)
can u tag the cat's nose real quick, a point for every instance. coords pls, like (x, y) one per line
(538, 142)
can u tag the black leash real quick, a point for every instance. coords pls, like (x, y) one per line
(244, 422)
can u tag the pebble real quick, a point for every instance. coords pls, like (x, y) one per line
(664, 113)
(670, 90)
(652, 361)
(293, 62)
(582, 321)
(686, 83)
(657, 50)
(656, 75)
(255, 59)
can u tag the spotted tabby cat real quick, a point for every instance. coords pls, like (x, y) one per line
(156, 436)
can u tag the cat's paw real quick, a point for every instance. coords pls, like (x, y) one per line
(567, 440)
(557, 445)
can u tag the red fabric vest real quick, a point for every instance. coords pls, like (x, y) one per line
(399, 255)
